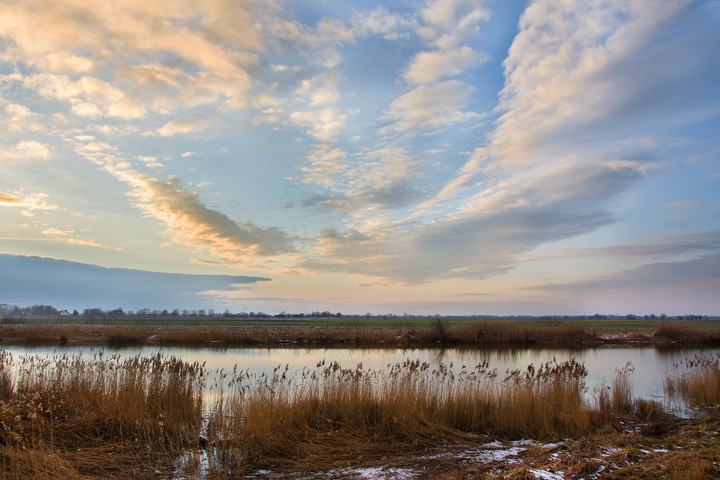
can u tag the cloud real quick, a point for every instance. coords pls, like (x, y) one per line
(668, 246)
(29, 203)
(676, 287)
(150, 161)
(447, 22)
(390, 25)
(193, 224)
(64, 284)
(430, 107)
(69, 236)
(436, 100)
(188, 221)
(26, 150)
(189, 125)
(88, 96)
(324, 123)
(374, 181)
(574, 84)
(21, 118)
(485, 238)
(429, 67)
(194, 53)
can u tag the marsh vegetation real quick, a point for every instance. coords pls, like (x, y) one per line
(107, 417)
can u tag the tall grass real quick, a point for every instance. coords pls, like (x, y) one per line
(697, 383)
(331, 410)
(74, 416)
(673, 331)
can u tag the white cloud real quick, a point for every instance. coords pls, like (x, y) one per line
(390, 25)
(21, 118)
(572, 82)
(188, 221)
(150, 161)
(28, 203)
(88, 96)
(27, 150)
(486, 237)
(324, 123)
(429, 67)
(64, 62)
(447, 22)
(188, 125)
(196, 53)
(430, 107)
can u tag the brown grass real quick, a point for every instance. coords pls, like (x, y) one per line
(102, 417)
(336, 413)
(699, 383)
(676, 332)
(69, 417)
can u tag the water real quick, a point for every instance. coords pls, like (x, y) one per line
(649, 365)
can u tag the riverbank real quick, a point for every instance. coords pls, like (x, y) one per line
(466, 333)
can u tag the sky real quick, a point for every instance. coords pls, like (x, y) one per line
(471, 157)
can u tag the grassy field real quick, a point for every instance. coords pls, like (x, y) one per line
(100, 417)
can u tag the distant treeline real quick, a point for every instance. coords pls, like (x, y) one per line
(7, 310)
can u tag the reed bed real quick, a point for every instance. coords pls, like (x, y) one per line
(107, 417)
(698, 382)
(71, 417)
(676, 332)
(331, 412)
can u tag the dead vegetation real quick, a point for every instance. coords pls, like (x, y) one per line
(102, 417)
(71, 417)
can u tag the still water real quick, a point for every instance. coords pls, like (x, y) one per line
(649, 365)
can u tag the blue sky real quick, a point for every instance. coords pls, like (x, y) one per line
(446, 156)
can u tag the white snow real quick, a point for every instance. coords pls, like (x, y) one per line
(378, 473)
(495, 444)
(495, 455)
(545, 475)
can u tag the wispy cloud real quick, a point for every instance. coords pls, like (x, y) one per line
(486, 238)
(26, 150)
(71, 237)
(436, 100)
(651, 287)
(188, 221)
(29, 203)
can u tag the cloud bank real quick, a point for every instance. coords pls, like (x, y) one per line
(63, 284)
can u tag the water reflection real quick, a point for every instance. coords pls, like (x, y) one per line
(650, 364)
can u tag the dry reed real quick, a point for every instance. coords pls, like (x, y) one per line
(337, 412)
(698, 384)
(72, 416)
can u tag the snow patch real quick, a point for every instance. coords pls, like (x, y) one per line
(545, 475)
(378, 473)
(487, 456)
